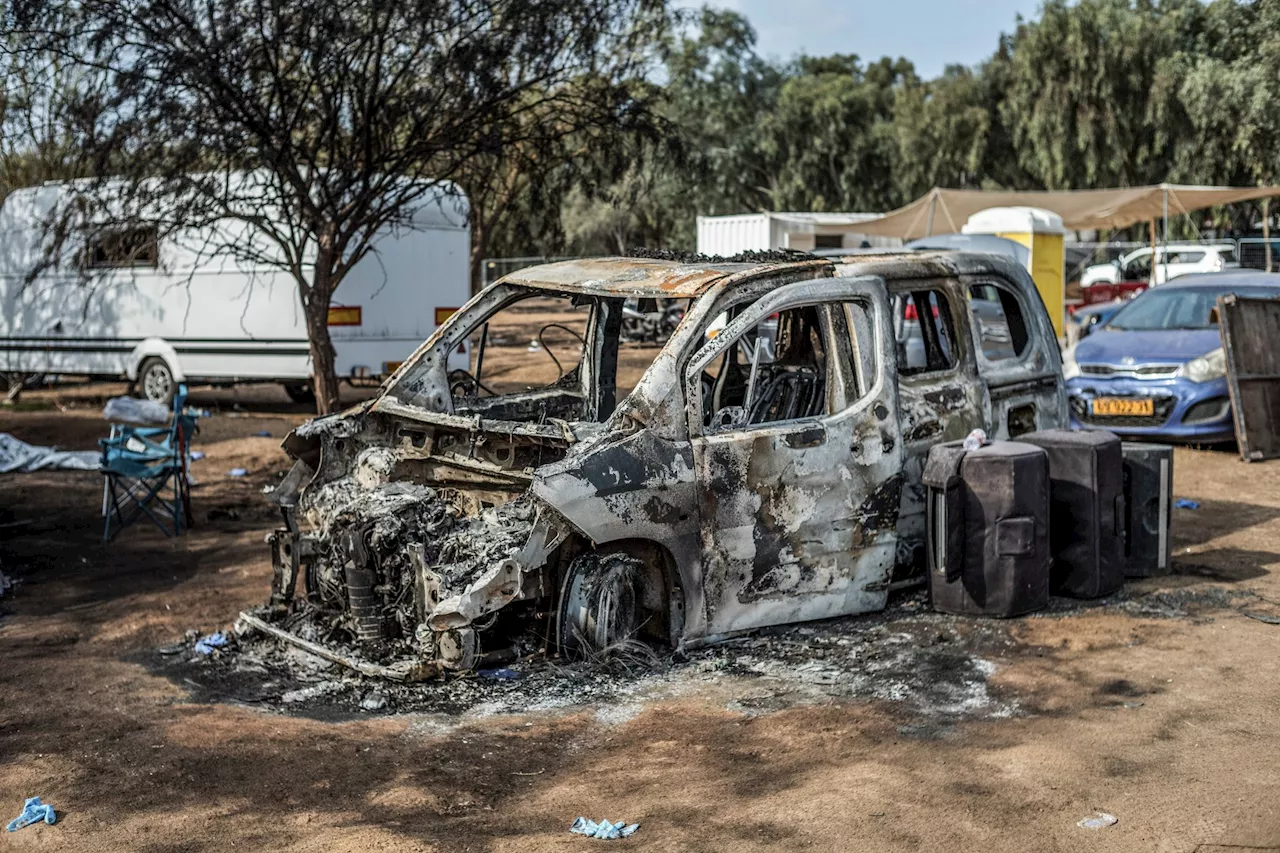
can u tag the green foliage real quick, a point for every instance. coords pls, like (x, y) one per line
(1091, 93)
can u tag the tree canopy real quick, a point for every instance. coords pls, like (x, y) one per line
(1089, 94)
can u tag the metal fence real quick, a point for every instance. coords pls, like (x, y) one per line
(1252, 252)
(496, 268)
(1079, 255)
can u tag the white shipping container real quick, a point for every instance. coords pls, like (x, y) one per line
(729, 235)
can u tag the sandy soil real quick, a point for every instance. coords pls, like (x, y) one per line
(1166, 723)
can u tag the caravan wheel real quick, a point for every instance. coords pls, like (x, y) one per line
(300, 392)
(156, 381)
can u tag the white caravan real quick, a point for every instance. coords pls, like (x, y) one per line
(122, 302)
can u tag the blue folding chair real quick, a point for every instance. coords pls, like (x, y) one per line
(146, 474)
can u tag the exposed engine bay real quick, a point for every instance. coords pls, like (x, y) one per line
(411, 535)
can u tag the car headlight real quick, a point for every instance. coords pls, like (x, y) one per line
(1070, 370)
(1206, 368)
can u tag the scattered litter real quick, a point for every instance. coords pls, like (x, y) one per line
(263, 433)
(501, 674)
(206, 645)
(33, 811)
(197, 455)
(375, 701)
(975, 440)
(1132, 705)
(1099, 821)
(131, 410)
(605, 829)
(6, 584)
(1270, 620)
(1186, 503)
(175, 649)
(237, 472)
(19, 457)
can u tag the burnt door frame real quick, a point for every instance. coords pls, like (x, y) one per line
(798, 519)
(1024, 390)
(936, 406)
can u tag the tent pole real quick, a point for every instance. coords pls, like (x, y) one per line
(933, 206)
(1164, 254)
(1266, 230)
(1151, 224)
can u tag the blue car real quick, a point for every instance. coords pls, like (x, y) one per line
(1157, 369)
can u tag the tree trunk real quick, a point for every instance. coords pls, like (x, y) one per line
(323, 358)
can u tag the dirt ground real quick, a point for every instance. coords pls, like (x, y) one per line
(1159, 708)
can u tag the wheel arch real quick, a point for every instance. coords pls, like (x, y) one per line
(664, 592)
(154, 348)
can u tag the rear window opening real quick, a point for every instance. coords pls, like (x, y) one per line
(925, 332)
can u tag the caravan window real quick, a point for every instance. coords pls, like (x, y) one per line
(123, 247)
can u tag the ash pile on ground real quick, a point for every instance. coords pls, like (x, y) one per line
(933, 666)
(932, 669)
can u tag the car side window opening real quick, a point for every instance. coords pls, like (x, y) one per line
(804, 362)
(999, 320)
(775, 371)
(925, 337)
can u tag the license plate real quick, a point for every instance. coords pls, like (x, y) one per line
(1119, 407)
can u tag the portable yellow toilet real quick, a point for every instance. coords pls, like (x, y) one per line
(1042, 233)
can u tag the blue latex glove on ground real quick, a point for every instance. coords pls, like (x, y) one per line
(33, 812)
(206, 645)
(603, 829)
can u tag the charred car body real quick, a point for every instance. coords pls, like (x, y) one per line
(735, 486)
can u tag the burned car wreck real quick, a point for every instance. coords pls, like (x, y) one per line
(760, 467)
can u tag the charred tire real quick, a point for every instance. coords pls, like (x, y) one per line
(155, 379)
(600, 604)
(300, 392)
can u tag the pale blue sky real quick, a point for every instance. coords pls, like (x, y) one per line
(931, 33)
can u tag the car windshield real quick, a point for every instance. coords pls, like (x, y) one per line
(1177, 308)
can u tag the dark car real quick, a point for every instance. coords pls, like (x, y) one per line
(1157, 368)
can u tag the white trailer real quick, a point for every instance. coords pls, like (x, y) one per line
(124, 302)
(807, 232)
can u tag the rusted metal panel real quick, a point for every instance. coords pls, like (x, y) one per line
(625, 276)
(639, 277)
(1250, 327)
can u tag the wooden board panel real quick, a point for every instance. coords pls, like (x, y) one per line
(1250, 328)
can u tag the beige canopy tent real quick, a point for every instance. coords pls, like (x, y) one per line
(943, 211)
